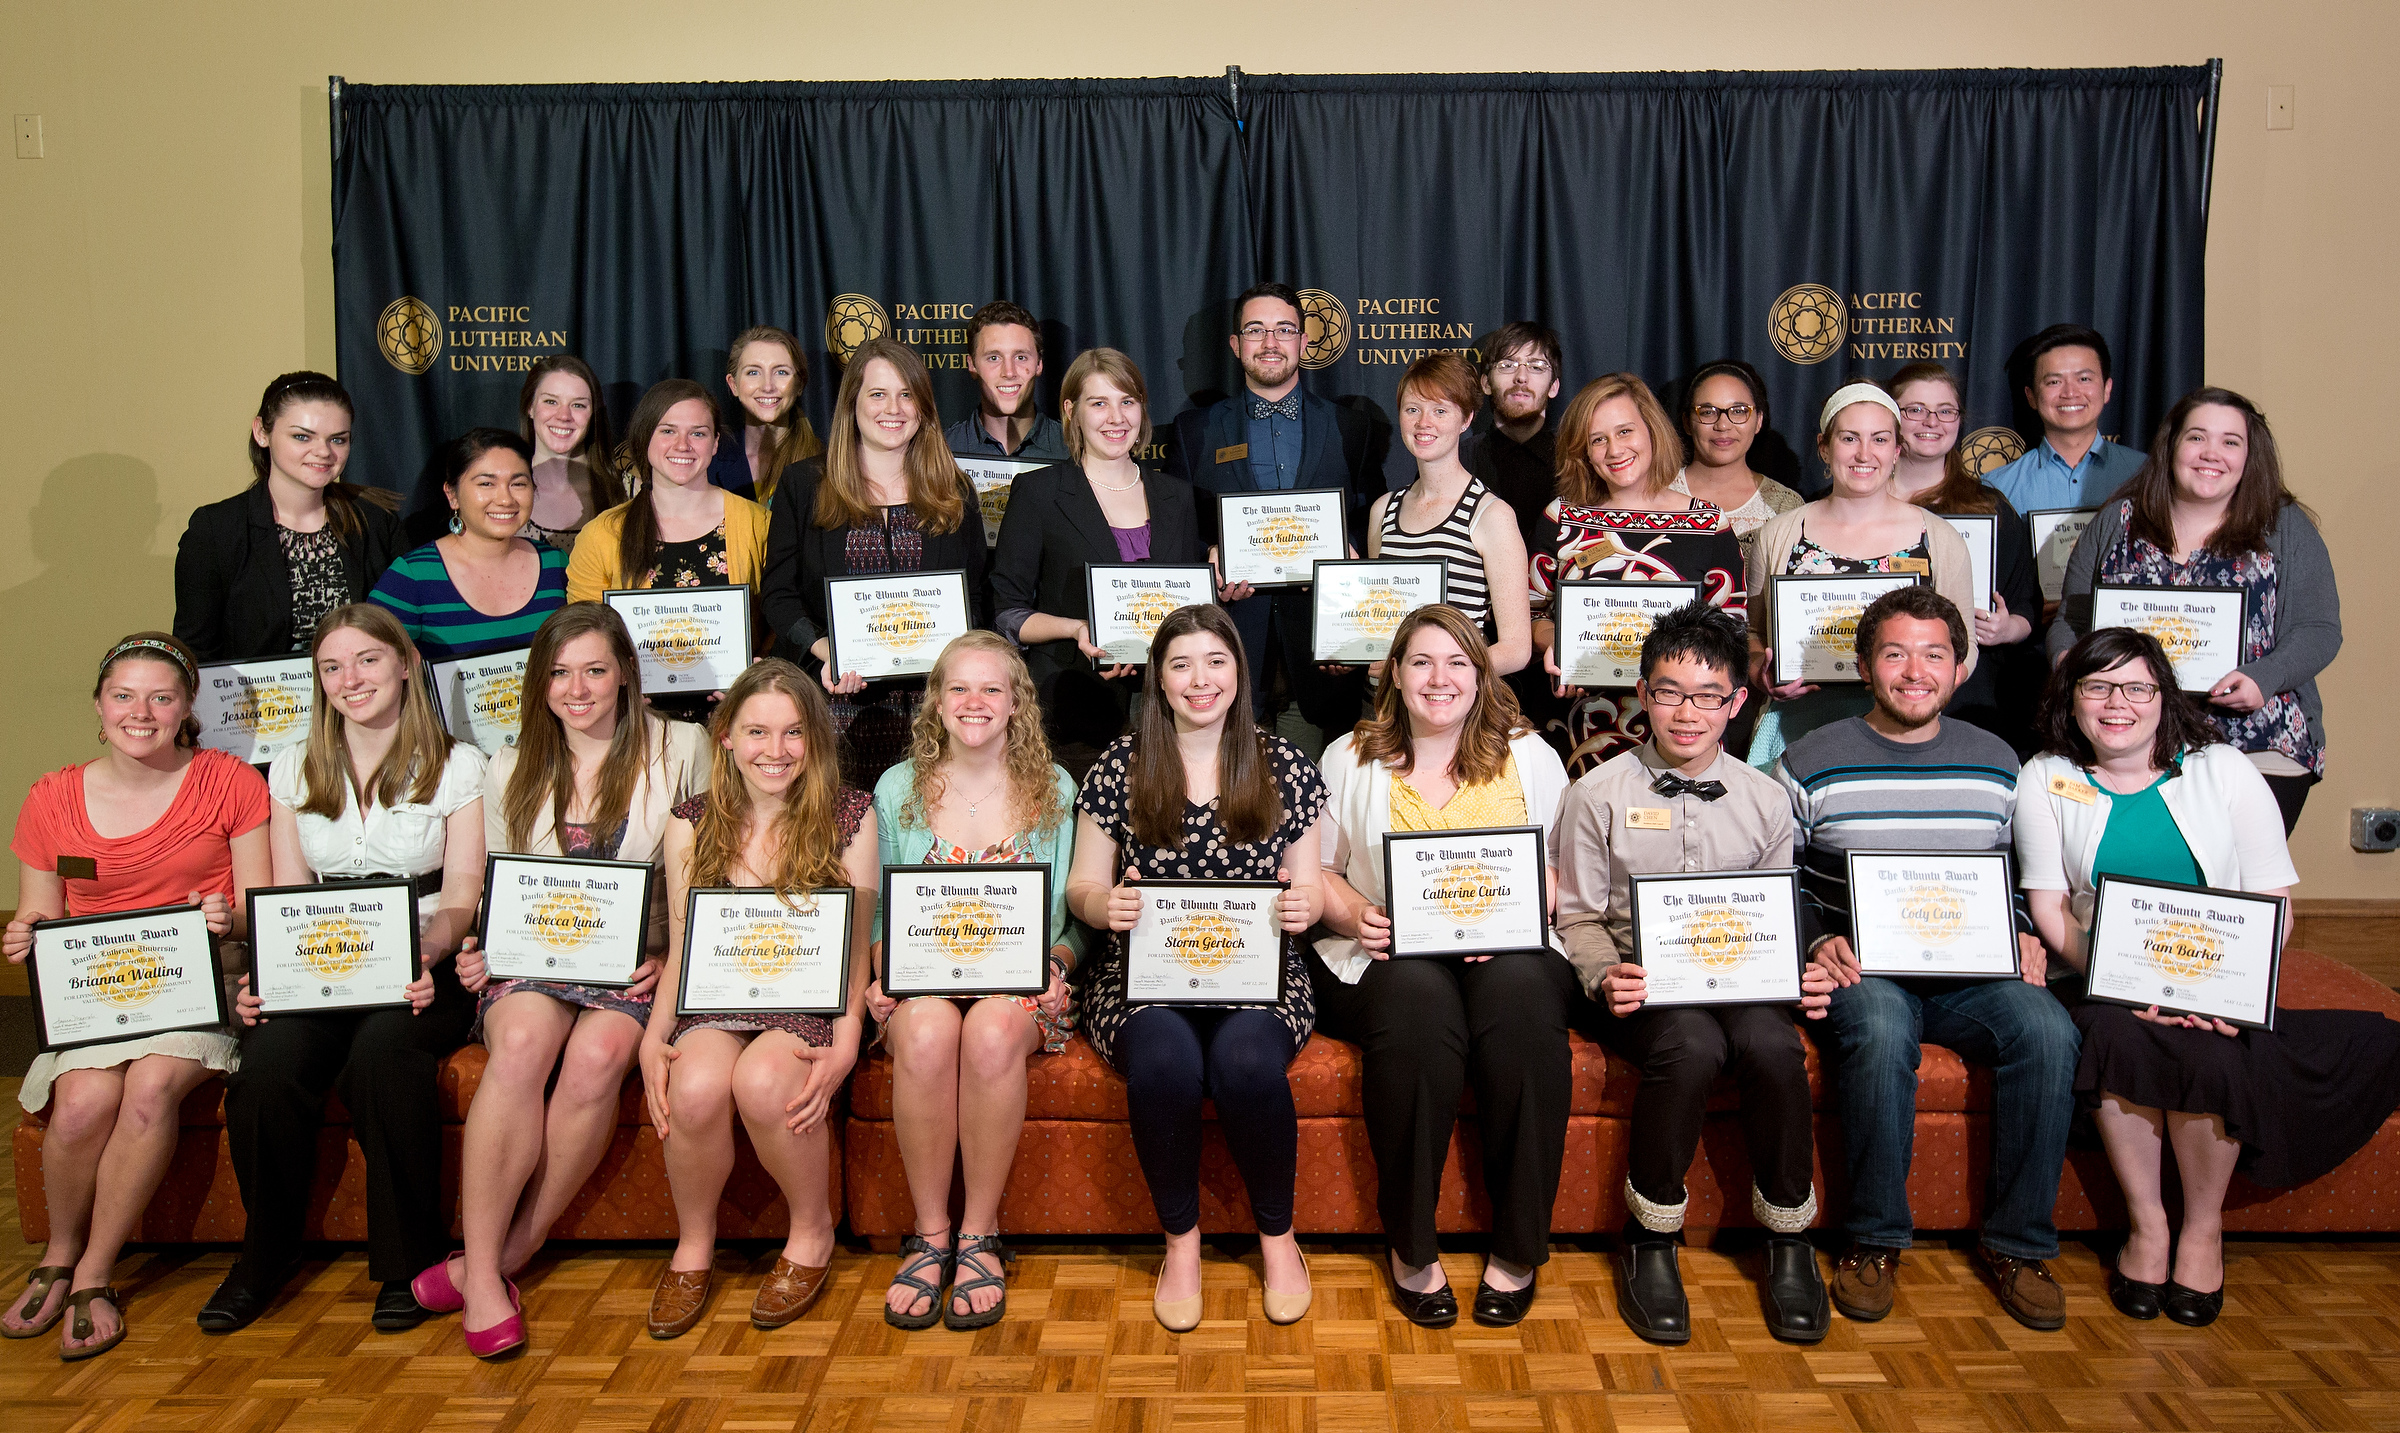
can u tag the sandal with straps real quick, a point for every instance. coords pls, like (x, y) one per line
(980, 1244)
(40, 1282)
(80, 1302)
(918, 1256)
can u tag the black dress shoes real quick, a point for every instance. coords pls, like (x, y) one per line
(2190, 1307)
(2133, 1298)
(1797, 1308)
(1499, 1309)
(1650, 1289)
(239, 1301)
(397, 1309)
(1436, 1310)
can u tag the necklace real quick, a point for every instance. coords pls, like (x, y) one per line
(1116, 487)
(986, 796)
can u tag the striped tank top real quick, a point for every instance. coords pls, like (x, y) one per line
(1452, 539)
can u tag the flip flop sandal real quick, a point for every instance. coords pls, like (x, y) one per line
(925, 1256)
(969, 1248)
(40, 1282)
(80, 1303)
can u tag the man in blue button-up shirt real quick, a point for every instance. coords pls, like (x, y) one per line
(2073, 466)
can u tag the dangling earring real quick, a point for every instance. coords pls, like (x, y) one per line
(454, 523)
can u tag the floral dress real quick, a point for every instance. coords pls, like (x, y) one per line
(850, 808)
(1205, 855)
(1013, 850)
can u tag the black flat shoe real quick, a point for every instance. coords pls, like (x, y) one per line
(1650, 1291)
(1436, 1310)
(2133, 1298)
(1797, 1309)
(1500, 1309)
(238, 1302)
(2190, 1307)
(397, 1309)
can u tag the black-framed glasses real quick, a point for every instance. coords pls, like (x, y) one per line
(2141, 694)
(1256, 331)
(1707, 414)
(1918, 413)
(1705, 701)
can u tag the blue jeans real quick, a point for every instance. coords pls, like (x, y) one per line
(2022, 1032)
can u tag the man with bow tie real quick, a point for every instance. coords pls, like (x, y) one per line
(1680, 803)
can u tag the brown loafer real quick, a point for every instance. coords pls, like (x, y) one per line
(789, 1291)
(682, 1295)
(1862, 1282)
(2026, 1289)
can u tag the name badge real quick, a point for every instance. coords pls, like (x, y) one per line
(2079, 792)
(78, 868)
(1233, 454)
(1912, 564)
(1649, 818)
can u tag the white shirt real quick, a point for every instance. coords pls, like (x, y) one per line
(402, 840)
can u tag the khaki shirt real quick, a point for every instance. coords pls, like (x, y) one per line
(1601, 846)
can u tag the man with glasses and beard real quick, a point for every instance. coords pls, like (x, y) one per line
(1515, 454)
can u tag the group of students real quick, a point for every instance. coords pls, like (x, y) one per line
(804, 776)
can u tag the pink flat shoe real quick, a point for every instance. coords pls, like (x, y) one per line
(435, 1292)
(502, 1337)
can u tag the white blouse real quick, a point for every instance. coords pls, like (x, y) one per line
(402, 840)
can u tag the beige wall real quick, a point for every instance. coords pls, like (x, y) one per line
(172, 251)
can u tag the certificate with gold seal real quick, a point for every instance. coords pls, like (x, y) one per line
(1128, 600)
(255, 710)
(1466, 892)
(1812, 622)
(2200, 627)
(124, 975)
(688, 639)
(564, 918)
(1602, 625)
(1276, 539)
(992, 478)
(481, 697)
(347, 945)
(1355, 604)
(1723, 938)
(2188, 950)
(746, 950)
(1934, 914)
(2055, 531)
(976, 929)
(894, 626)
(1205, 943)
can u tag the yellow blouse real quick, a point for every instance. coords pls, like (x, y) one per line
(1498, 802)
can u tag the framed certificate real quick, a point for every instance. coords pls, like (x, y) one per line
(1276, 539)
(1128, 601)
(745, 951)
(1356, 604)
(562, 918)
(1812, 622)
(124, 975)
(480, 697)
(1205, 943)
(966, 930)
(1466, 892)
(256, 710)
(894, 626)
(2201, 627)
(348, 945)
(1730, 938)
(2188, 950)
(992, 479)
(2055, 532)
(1981, 533)
(1934, 914)
(688, 639)
(1602, 625)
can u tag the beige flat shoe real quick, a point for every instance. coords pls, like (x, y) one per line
(1178, 1315)
(1288, 1308)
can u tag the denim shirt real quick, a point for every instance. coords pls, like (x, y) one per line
(1275, 448)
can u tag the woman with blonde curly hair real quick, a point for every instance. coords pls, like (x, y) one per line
(977, 786)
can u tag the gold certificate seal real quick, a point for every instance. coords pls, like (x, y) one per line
(1933, 913)
(966, 930)
(1467, 891)
(267, 711)
(564, 920)
(1621, 637)
(499, 701)
(763, 951)
(678, 642)
(1837, 626)
(994, 501)
(132, 975)
(1379, 610)
(2183, 950)
(900, 624)
(1720, 939)
(334, 947)
(1203, 941)
(2179, 634)
(1283, 537)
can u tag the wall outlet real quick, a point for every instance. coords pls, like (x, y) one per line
(29, 136)
(2279, 106)
(2374, 828)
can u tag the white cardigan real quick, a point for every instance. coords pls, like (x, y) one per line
(1359, 813)
(2220, 804)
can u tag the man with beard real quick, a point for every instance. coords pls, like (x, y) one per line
(1004, 343)
(1515, 456)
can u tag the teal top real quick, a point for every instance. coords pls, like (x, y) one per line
(2141, 840)
(418, 590)
(909, 844)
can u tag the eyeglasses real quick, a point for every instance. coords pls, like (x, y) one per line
(1918, 413)
(1535, 366)
(1705, 701)
(1707, 414)
(1253, 332)
(2141, 694)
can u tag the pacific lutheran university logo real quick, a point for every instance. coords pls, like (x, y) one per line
(1326, 328)
(410, 334)
(1989, 448)
(1807, 323)
(852, 319)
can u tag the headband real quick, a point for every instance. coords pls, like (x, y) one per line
(1850, 393)
(182, 663)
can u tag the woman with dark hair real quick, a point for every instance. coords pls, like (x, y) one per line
(1725, 411)
(1197, 792)
(1446, 750)
(2209, 509)
(574, 479)
(152, 821)
(256, 570)
(484, 586)
(766, 371)
(2137, 783)
(886, 497)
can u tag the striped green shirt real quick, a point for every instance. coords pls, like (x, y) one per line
(418, 590)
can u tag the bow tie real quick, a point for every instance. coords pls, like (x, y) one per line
(1669, 784)
(1287, 406)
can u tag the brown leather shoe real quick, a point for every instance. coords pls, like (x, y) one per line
(1863, 1280)
(682, 1294)
(2026, 1289)
(789, 1291)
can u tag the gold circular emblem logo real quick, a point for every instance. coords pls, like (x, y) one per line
(1466, 891)
(764, 951)
(850, 320)
(1720, 938)
(994, 502)
(410, 334)
(1837, 626)
(269, 712)
(2174, 631)
(2183, 950)
(678, 642)
(966, 930)
(1283, 538)
(564, 920)
(499, 701)
(1325, 328)
(1379, 610)
(1807, 323)
(139, 972)
(334, 947)
(1622, 635)
(1933, 913)
(1989, 448)
(1148, 609)
(1203, 941)
(902, 624)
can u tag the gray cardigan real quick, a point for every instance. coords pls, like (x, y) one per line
(2308, 608)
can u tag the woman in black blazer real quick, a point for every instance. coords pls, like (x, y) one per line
(256, 570)
(1102, 507)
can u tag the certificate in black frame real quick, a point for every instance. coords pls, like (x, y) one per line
(2008, 887)
(839, 1006)
(1392, 840)
(1558, 629)
(1341, 518)
(2283, 913)
(403, 886)
(483, 924)
(1316, 598)
(1790, 875)
(833, 645)
(736, 592)
(2241, 620)
(33, 977)
(1283, 940)
(1091, 595)
(1040, 982)
(1780, 583)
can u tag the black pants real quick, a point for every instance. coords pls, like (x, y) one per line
(1329, 701)
(1175, 1058)
(1428, 1026)
(2291, 793)
(386, 1065)
(1681, 1050)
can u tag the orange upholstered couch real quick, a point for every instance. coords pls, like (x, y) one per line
(1076, 1174)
